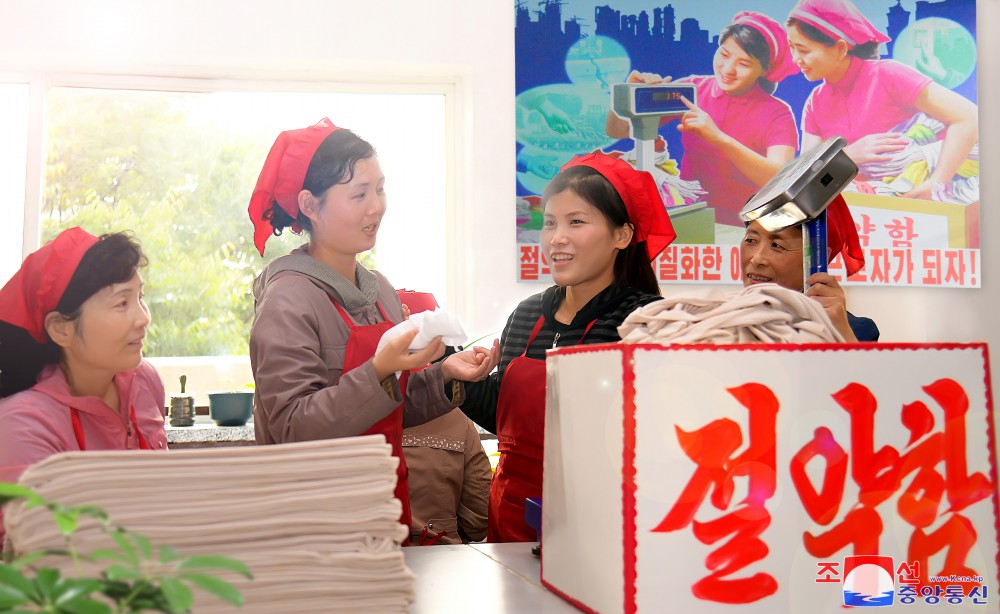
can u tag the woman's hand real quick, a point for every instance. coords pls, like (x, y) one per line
(825, 288)
(544, 166)
(649, 78)
(471, 365)
(877, 147)
(557, 119)
(924, 190)
(700, 123)
(396, 356)
(931, 65)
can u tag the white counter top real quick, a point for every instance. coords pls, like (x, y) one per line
(206, 433)
(481, 578)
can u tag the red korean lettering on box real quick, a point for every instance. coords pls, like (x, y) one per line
(879, 474)
(827, 572)
(908, 573)
(738, 530)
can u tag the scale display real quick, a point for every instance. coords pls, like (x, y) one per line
(662, 99)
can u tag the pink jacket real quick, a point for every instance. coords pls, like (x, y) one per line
(36, 423)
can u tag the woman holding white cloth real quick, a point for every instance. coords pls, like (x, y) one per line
(319, 313)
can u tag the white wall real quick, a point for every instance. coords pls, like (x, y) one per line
(471, 41)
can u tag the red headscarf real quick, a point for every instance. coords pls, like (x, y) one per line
(842, 235)
(780, 58)
(282, 177)
(35, 290)
(838, 19)
(641, 196)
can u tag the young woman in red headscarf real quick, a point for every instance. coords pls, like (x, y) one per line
(319, 313)
(72, 377)
(776, 257)
(603, 223)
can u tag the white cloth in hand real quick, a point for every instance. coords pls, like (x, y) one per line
(431, 324)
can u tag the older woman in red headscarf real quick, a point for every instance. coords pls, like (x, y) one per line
(776, 257)
(603, 224)
(319, 314)
(72, 377)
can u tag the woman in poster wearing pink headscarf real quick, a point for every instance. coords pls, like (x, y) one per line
(866, 100)
(739, 134)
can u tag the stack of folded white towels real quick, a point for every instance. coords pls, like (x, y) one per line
(316, 522)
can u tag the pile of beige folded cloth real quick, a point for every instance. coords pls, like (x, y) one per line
(762, 313)
(316, 522)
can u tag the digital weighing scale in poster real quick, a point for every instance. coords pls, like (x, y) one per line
(644, 106)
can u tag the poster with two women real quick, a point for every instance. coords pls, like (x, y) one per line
(766, 80)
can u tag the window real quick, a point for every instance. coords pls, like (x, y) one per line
(178, 168)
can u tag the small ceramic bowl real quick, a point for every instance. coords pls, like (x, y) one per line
(230, 408)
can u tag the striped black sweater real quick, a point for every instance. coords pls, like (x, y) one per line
(609, 308)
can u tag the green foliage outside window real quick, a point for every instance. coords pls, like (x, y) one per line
(151, 163)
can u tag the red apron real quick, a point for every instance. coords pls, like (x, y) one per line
(81, 440)
(361, 345)
(521, 442)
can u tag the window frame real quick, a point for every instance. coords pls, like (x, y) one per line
(457, 124)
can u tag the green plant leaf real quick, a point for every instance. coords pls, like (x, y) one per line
(10, 492)
(93, 511)
(85, 606)
(215, 562)
(102, 554)
(23, 561)
(66, 520)
(71, 589)
(220, 588)
(14, 579)
(169, 555)
(116, 590)
(46, 581)
(10, 597)
(142, 543)
(121, 572)
(119, 536)
(178, 596)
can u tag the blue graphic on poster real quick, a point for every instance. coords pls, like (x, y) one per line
(908, 111)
